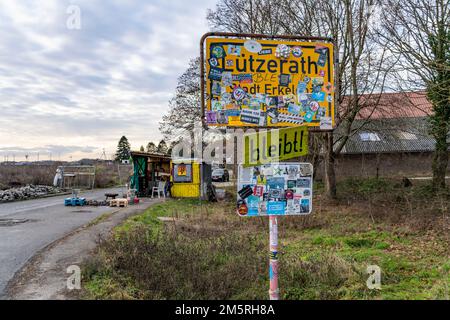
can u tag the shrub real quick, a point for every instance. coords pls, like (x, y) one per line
(172, 265)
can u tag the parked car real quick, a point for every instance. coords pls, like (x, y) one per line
(220, 175)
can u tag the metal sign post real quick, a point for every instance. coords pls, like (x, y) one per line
(272, 190)
(268, 81)
(274, 291)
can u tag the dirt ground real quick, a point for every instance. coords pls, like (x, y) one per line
(45, 275)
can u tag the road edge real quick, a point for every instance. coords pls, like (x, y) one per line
(34, 270)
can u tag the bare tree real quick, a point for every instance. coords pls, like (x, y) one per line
(418, 32)
(361, 70)
(151, 147)
(246, 16)
(184, 109)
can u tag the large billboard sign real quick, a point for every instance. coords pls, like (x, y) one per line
(268, 83)
(275, 189)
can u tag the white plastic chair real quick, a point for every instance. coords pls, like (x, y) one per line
(159, 189)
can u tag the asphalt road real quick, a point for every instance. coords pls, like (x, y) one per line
(47, 220)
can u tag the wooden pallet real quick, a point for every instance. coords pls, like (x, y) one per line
(118, 203)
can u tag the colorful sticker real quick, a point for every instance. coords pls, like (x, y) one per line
(245, 192)
(304, 183)
(321, 113)
(216, 105)
(227, 79)
(217, 52)
(319, 96)
(239, 93)
(297, 52)
(252, 46)
(222, 117)
(314, 106)
(309, 116)
(301, 87)
(259, 82)
(283, 117)
(282, 51)
(227, 97)
(258, 190)
(317, 81)
(328, 88)
(294, 108)
(245, 78)
(253, 205)
(234, 50)
(211, 117)
(275, 183)
(265, 52)
(326, 123)
(253, 116)
(304, 206)
(291, 184)
(215, 74)
(213, 62)
(284, 80)
(254, 104)
(216, 88)
(276, 207)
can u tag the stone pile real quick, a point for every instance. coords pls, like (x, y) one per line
(27, 192)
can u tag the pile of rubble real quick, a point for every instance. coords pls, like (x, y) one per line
(27, 192)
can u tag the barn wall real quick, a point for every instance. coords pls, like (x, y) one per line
(389, 165)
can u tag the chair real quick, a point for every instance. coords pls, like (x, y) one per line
(159, 189)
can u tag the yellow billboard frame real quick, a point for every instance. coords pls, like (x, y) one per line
(247, 81)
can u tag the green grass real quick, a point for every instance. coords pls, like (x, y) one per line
(177, 208)
(325, 257)
(100, 219)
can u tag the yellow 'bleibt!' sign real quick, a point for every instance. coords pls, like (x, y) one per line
(269, 83)
(269, 146)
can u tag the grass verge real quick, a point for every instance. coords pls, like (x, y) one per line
(208, 252)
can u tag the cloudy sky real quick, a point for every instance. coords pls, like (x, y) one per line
(71, 92)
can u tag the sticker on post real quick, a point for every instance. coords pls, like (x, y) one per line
(275, 189)
(326, 123)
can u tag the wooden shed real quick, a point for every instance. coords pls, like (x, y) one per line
(148, 170)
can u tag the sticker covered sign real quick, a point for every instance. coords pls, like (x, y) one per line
(272, 83)
(275, 189)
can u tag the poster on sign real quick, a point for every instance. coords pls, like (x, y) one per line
(275, 189)
(268, 83)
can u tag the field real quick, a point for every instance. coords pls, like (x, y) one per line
(207, 252)
(43, 174)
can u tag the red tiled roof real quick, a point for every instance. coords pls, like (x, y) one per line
(392, 105)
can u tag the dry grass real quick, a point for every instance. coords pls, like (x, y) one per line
(211, 253)
(16, 176)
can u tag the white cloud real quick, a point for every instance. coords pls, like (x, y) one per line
(84, 87)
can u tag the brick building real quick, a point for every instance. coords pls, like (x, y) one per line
(394, 142)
